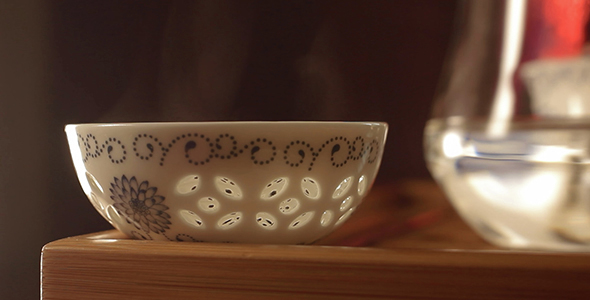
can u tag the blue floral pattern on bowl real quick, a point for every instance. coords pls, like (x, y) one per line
(140, 205)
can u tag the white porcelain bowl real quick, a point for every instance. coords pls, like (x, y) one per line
(250, 182)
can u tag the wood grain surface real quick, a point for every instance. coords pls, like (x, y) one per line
(419, 250)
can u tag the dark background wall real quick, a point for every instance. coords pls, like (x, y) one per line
(114, 61)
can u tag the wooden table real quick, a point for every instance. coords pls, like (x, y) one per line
(404, 242)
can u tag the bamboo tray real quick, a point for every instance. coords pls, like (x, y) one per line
(404, 243)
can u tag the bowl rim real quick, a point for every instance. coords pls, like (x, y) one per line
(232, 123)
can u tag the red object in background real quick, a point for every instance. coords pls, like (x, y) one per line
(555, 28)
(566, 20)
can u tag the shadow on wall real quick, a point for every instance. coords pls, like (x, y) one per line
(114, 61)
